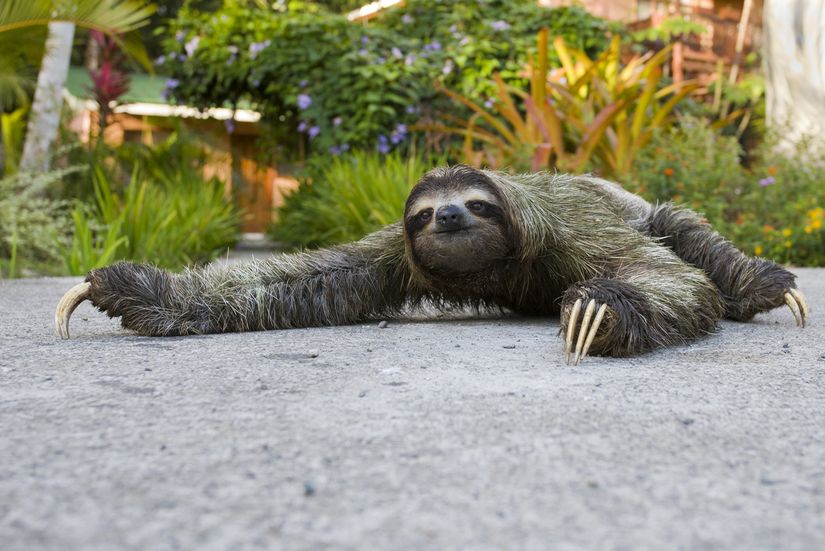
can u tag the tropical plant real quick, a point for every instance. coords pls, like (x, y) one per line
(590, 112)
(171, 223)
(16, 63)
(109, 81)
(32, 225)
(104, 15)
(22, 34)
(348, 197)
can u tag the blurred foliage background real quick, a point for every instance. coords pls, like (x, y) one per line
(362, 109)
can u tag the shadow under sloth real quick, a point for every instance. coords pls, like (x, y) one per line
(627, 276)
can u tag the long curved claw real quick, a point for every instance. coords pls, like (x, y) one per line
(588, 314)
(791, 302)
(571, 328)
(590, 336)
(67, 305)
(803, 304)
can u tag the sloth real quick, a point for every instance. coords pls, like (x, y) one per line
(626, 276)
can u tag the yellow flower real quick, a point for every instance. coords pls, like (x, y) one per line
(808, 229)
(786, 232)
(816, 224)
(758, 250)
(788, 244)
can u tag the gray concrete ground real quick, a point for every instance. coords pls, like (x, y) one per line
(423, 435)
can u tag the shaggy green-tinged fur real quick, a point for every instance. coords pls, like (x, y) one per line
(666, 277)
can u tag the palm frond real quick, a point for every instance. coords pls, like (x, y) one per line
(109, 16)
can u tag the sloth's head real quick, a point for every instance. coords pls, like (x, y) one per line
(456, 222)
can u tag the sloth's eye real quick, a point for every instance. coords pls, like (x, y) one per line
(425, 215)
(476, 206)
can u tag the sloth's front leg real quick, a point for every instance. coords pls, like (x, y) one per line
(630, 315)
(748, 285)
(335, 286)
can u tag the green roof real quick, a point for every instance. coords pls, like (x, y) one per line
(142, 89)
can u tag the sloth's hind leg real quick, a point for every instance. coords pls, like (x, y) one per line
(748, 285)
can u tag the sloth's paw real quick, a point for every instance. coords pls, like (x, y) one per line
(586, 330)
(796, 302)
(610, 317)
(134, 292)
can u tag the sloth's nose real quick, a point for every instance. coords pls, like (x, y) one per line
(449, 217)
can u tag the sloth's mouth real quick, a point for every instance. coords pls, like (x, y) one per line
(454, 230)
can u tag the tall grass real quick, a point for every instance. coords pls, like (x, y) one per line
(348, 197)
(171, 222)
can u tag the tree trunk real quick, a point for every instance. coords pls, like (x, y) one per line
(794, 63)
(41, 131)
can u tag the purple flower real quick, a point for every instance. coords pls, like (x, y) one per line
(335, 150)
(171, 84)
(764, 182)
(500, 25)
(230, 125)
(364, 39)
(192, 45)
(381, 59)
(448, 67)
(304, 101)
(464, 41)
(257, 47)
(179, 36)
(488, 104)
(399, 134)
(303, 83)
(314, 131)
(181, 57)
(383, 146)
(345, 147)
(397, 53)
(255, 83)
(411, 109)
(160, 60)
(337, 121)
(410, 59)
(363, 52)
(433, 46)
(453, 29)
(407, 19)
(302, 126)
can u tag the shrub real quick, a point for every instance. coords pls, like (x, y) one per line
(169, 222)
(775, 208)
(31, 224)
(348, 198)
(348, 85)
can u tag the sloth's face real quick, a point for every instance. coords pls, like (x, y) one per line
(455, 222)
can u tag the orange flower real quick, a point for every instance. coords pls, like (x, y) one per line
(772, 170)
(767, 228)
(668, 171)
